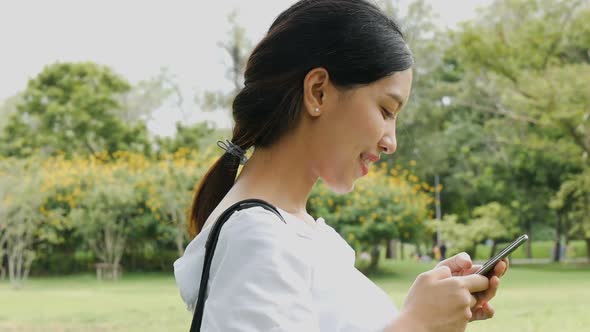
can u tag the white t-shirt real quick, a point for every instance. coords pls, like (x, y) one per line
(270, 276)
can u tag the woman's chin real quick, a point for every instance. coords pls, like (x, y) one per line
(340, 187)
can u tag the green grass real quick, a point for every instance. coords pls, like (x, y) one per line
(532, 298)
(148, 302)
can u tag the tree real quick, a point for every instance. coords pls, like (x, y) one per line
(528, 72)
(138, 104)
(72, 107)
(491, 221)
(104, 218)
(7, 109)
(22, 217)
(385, 205)
(420, 131)
(169, 192)
(194, 136)
(238, 47)
(127, 203)
(573, 203)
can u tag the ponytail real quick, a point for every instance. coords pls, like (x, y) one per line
(211, 189)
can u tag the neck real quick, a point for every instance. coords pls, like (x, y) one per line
(282, 175)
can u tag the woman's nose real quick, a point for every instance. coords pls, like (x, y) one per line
(388, 144)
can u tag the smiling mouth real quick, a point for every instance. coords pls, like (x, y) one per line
(366, 160)
(364, 165)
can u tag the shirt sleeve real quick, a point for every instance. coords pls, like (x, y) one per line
(260, 277)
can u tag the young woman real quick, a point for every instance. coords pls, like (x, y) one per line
(323, 90)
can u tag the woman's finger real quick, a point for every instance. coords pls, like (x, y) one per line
(486, 311)
(471, 270)
(500, 268)
(489, 293)
(457, 263)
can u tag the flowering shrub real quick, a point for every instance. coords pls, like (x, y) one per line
(384, 205)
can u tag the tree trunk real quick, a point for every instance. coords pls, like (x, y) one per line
(401, 250)
(392, 250)
(494, 248)
(437, 208)
(179, 242)
(19, 262)
(557, 248)
(375, 253)
(29, 257)
(588, 249)
(11, 271)
(109, 248)
(472, 252)
(529, 243)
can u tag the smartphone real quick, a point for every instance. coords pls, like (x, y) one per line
(489, 265)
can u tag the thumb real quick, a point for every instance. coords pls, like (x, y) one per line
(476, 283)
(440, 272)
(463, 261)
(457, 263)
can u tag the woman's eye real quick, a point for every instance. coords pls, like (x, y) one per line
(387, 114)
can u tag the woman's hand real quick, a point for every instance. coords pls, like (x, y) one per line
(462, 265)
(439, 301)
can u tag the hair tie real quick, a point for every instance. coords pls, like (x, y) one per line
(234, 150)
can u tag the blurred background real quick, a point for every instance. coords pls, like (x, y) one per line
(110, 110)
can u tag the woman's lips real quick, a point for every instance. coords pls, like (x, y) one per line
(366, 160)
(364, 168)
(370, 157)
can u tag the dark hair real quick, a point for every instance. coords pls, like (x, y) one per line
(352, 39)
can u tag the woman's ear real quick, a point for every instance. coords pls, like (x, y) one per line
(315, 86)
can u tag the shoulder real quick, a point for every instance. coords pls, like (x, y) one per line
(256, 241)
(254, 224)
(258, 234)
(262, 269)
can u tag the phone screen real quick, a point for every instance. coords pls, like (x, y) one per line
(489, 265)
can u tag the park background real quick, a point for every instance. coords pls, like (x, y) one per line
(107, 122)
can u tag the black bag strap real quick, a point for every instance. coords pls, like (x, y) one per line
(210, 249)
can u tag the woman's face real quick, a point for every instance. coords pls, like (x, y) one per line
(355, 126)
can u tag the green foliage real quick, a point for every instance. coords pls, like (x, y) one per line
(72, 107)
(105, 215)
(514, 82)
(186, 137)
(383, 206)
(124, 207)
(574, 199)
(491, 221)
(237, 48)
(23, 221)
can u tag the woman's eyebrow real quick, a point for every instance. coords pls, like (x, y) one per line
(397, 98)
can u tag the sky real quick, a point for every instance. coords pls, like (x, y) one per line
(139, 38)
